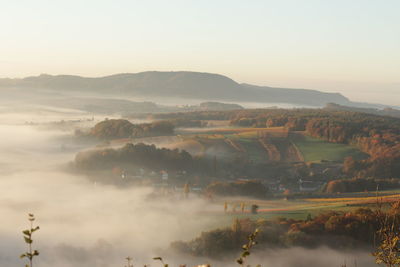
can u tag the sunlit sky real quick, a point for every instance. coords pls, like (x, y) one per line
(347, 46)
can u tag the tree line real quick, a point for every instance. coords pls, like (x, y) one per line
(355, 229)
(360, 185)
(120, 128)
(140, 155)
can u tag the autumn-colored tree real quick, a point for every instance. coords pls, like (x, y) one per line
(335, 187)
(186, 190)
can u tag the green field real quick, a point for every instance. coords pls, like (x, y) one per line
(255, 152)
(314, 149)
(311, 149)
(297, 209)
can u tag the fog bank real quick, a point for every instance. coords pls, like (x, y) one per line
(87, 224)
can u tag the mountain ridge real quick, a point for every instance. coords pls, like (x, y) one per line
(180, 84)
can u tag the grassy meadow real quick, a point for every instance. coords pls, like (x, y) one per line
(314, 149)
(298, 209)
(247, 142)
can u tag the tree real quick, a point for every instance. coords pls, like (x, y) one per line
(336, 186)
(128, 260)
(388, 250)
(237, 229)
(186, 190)
(254, 209)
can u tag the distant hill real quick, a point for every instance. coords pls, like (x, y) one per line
(190, 85)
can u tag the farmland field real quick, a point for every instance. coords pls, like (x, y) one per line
(314, 149)
(249, 132)
(301, 208)
(258, 145)
(254, 151)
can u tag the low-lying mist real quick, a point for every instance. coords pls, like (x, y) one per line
(81, 223)
(321, 257)
(78, 215)
(87, 224)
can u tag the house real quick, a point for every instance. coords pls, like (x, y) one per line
(308, 186)
(164, 175)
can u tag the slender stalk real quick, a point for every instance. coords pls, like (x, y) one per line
(30, 246)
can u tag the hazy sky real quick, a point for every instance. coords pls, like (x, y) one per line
(350, 46)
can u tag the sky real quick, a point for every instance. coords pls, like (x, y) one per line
(351, 47)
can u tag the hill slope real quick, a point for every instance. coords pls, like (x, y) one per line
(193, 85)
